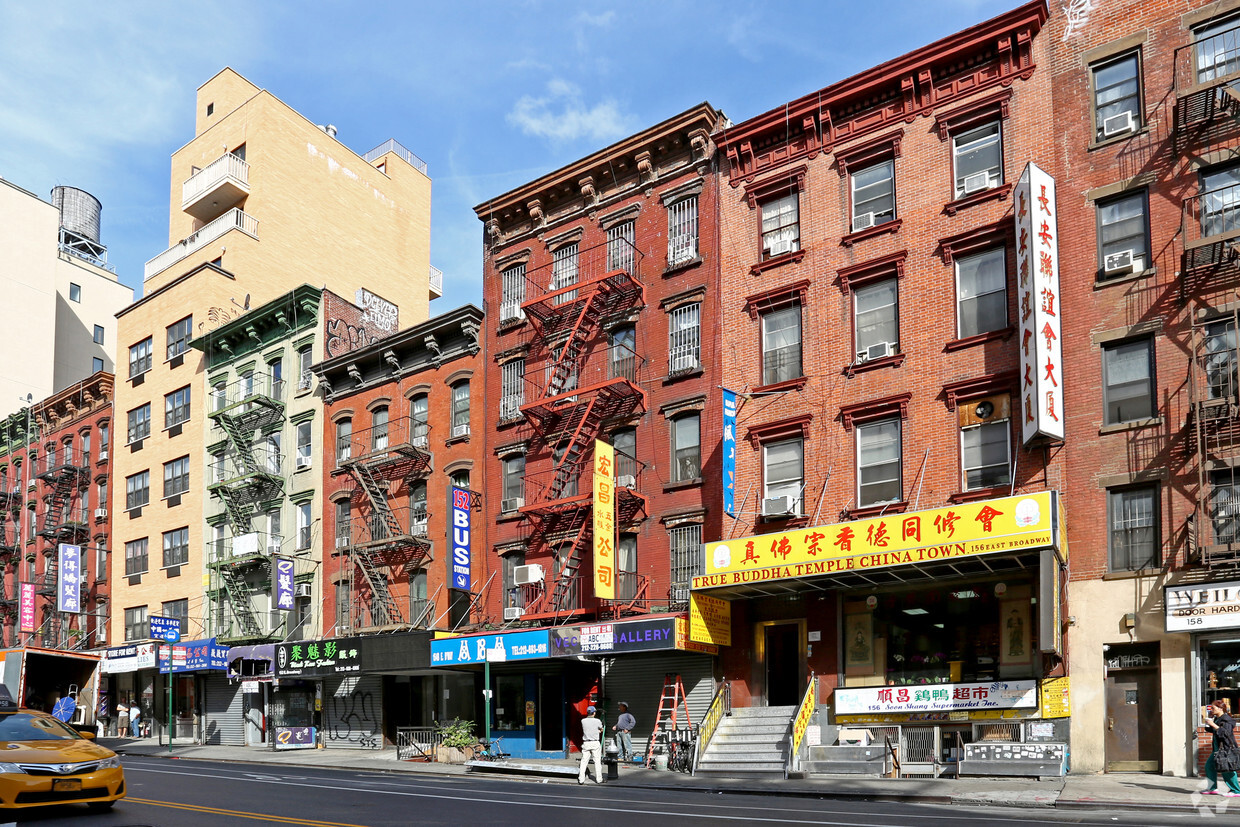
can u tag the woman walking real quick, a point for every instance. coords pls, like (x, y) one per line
(1225, 757)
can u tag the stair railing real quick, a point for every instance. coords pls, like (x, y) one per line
(800, 723)
(720, 707)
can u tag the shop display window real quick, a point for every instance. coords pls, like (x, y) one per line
(1220, 679)
(952, 633)
(510, 702)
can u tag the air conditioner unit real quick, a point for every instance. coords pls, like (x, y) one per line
(976, 182)
(783, 245)
(511, 312)
(527, 575)
(513, 613)
(303, 590)
(626, 481)
(343, 542)
(1121, 262)
(103, 455)
(460, 430)
(419, 441)
(879, 351)
(684, 364)
(303, 462)
(511, 504)
(778, 506)
(1118, 124)
(680, 594)
(418, 528)
(101, 513)
(863, 221)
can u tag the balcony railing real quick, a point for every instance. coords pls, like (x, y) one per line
(234, 219)
(264, 460)
(582, 375)
(1208, 63)
(436, 282)
(536, 598)
(373, 528)
(401, 435)
(576, 480)
(253, 544)
(394, 147)
(226, 180)
(63, 459)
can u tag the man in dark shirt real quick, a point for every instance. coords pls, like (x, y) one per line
(624, 729)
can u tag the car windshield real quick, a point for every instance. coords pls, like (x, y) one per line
(22, 726)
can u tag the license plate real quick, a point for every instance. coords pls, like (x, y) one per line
(66, 785)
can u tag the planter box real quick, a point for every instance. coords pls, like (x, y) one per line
(453, 755)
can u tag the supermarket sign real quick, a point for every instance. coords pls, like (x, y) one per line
(936, 697)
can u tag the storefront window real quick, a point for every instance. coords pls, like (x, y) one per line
(510, 702)
(1220, 680)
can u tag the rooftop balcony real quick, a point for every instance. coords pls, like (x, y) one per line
(436, 282)
(234, 219)
(220, 185)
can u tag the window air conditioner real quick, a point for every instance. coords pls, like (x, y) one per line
(1121, 262)
(303, 590)
(863, 221)
(1118, 124)
(342, 542)
(527, 575)
(510, 312)
(778, 506)
(418, 528)
(460, 430)
(680, 594)
(880, 350)
(684, 363)
(419, 441)
(101, 513)
(513, 613)
(626, 481)
(303, 462)
(781, 246)
(976, 182)
(103, 455)
(511, 503)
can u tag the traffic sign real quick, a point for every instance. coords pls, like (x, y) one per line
(166, 629)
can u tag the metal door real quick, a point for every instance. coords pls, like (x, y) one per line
(783, 664)
(1133, 726)
(255, 712)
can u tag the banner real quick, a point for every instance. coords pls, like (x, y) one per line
(1037, 268)
(710, 620)
(937, 697)
(729, 453)
(494, 648)
(69, 578)
(1194, 607)
(25, 607)
(284, 584)
(604, 521)
(461, 563)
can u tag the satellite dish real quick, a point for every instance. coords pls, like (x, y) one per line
(64, 708)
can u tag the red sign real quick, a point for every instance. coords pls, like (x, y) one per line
(25, 602)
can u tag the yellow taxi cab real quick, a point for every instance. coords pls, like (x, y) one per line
(45, 762)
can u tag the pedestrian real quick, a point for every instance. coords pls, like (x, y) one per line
(591, 747)
(122, 717)
(135, 719)
(1225, 757)
(624, 731)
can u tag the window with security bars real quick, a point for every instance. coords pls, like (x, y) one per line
(1225, 505)
(135, 557)
(682, 232)
(344, 617)
(1217, 47)
(781, 225)
(564, 272)
(1132, 528)
(176, 547)
(176, 407)
(512, 390)
(140, 357)
(685, 544)
(620, 247)
(176, 477)
(513, 293)
(684, 339)
(179, 335)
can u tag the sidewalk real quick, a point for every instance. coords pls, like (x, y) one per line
(1115, 791)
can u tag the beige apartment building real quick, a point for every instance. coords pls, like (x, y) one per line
(262, 200)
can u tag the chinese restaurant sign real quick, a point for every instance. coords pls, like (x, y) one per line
(314, 658)
(1037, 268)
(604, 521)
(984, 527)
(936, 697)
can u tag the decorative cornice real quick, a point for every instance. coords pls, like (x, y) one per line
(872, 270)
(776, 184)
(974, 112)
(978, 238)
(875, 409)
(875, 149)
(979, 386)
(777, 297)
(780, 429)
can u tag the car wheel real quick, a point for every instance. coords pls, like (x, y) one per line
(101, 806)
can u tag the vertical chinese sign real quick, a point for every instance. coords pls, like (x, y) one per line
(604, 521)
(284, 584)
(25, 607)
(1037, 268)
(729, 453)
(460, 538)
(69, 578)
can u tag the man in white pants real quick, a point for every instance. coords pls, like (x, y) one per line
(591, 747)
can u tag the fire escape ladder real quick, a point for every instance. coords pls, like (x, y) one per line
(382, 602)
(50, 570)
(567, 576)
(375, 492)
(238, 439)
(575, 448)
(239, 599)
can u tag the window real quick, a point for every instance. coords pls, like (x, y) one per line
(344, 619)
(303, 369)
(1132, 528)
(178, 336)
(101, 494)
(379, 428)
(685, 544)
(176, 477)
(686, 447)
(513, 598)
(977, 157)
(135, 557)
(140, 423)
(460, 408)
(1127, 381)
(135, 623)
(1219, 361)
(512, 390)
(75, 292)
(877, 322)
(417, 504)
(103, 437)
(873, 195)
(344, 441)
(626, 567)
(274, 528)
(513, 471)
(981, 293)
(304, 446)
(513, 293)
(1219, 202)
(98, 336)
(303, 525)
(176, 407)
(217, 467)
(176, 547)
(781, 225)
(273, 448)
(137, 490)
(1225, 506)
(275, 378)
(878, 463)
(344, 523)
(96, 364)
(564, 271)
(178, 609)
(459, 478)
(1123, 234)
(684, 344)
(1117, 96)
(140, 357)
(622, 352)
(1218, 49)
(781, 345)
(625, 443)
(783, 477)
(682, 232)
(985, 451)
(620, 247)
(419, 419)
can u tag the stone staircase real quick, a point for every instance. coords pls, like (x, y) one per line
(752, 741)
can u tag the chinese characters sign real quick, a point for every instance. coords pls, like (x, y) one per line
(604, 521)
(284, 584)
(194, 655)
(460, 538)
(984, 527)
(312, 658)
(729, 452)
(69, 578)
(481, 648)
(25, 607)
(936, 697)
(1037, 272)
(710, 619)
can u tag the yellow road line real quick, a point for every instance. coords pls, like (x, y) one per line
(238, 814)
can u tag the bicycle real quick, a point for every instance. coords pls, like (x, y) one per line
(490, 750)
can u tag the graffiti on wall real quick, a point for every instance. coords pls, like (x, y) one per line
(353, 717)
(343, 337)
(378, 314)
(1077, 14)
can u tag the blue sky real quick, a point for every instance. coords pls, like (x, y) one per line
(490, 94)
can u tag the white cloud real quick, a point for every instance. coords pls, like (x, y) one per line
(563, 115)
(600, 20)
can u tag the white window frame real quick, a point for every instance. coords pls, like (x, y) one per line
(512, 294)
(680, 467)
(773, 374)
(863, 430)
(1005, 427)
(305, 443)
(512, 477)
(682, 232)
(512, 390)
(862, 340)
(304, 524)
(880, 216)
(1000, 319)
(684, 339)
(621, 247)
(973, 139)
(460, 405)
(565, 271)
(780, 224)
(783, 487)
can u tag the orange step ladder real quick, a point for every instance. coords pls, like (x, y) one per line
(672, 704)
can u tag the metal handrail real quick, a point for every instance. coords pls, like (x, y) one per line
(393, 146)
(416, 742)
(800, 722)
(720, 707)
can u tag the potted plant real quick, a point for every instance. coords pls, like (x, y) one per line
(455, 741)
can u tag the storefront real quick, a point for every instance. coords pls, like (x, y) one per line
(130, 678)
(196, 669)
(238, 715)
(940, 627)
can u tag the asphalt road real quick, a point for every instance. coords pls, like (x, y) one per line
(183, 793)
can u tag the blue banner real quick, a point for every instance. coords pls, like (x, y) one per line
(460, 538)
(284, 584)
(729, 453)
(166, 628)
(69, 579)
(194, 656)
(495, 648)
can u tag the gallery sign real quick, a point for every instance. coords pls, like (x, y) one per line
(607, 638)
(1202, 606)
(937, 697)
(1037, 288)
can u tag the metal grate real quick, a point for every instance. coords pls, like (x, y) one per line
(620, 246)
(998, 731)
(684, 345)
(682, 232)
(513, 294)
(685, 542)
(512, 395)
(564, 272)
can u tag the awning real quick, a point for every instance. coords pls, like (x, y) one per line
(263, 653)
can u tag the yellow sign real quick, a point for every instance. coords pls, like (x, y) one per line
(804, 714)
(684, 643)
(604, 521)
(984, 527)
(1056, 702)
(710, 620)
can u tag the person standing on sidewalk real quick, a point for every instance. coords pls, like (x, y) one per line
(624, 731)
(135, 719)
(122, 717)
(1225, 757)
(591, 747)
